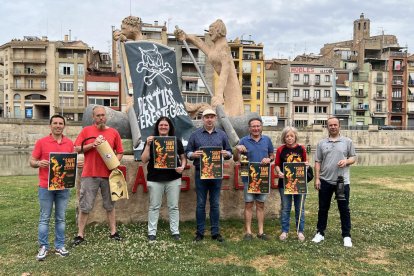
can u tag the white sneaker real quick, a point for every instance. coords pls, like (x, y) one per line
(318, 238)
(347, 242)
(42, 253)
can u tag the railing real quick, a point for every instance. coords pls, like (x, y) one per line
(342, 111)
(410, 98)
(29, 87)
(379, 98)
(192, 74)
(28, 60)
(32, 73)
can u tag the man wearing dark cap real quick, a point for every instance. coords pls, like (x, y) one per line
(207, 136)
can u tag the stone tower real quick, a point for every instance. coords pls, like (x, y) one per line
(361, 29)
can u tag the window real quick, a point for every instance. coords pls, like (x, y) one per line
(66, 86)
(306, 94)
(317, 94)
(327, 93)
(259, 68)
(16, 97)
(258, 81)
(66, 69)
(81, 70)
(271, 97)
(247, 108)
(30, 83)
(282, 97)
(296, 93)
(80, 86)
(396, 93)
(103, 86)
(306, 79)
(301, 109)
(269, 84)
(296, 77)
(378, 107)
(317, 79)
(300, 123)
(258, 109)
(397, 65)
(43, 84)
(271, 111)
(327, 78)
(105, 101)
(258, 95)
(320, 109)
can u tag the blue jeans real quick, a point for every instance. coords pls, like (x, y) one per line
(203, 187)
(46, 200)
(325, 195)
(156, 191)
(286, 208)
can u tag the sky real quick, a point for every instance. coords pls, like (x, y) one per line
(285, 27)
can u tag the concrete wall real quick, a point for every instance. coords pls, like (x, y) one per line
(24, 133)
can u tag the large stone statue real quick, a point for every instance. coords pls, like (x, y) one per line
(130, 29)
(228, 91)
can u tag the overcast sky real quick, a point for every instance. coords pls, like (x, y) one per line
(285, 27)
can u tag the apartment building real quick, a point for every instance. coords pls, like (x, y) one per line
(410, 92)
(276, 101)
(310, 88)
(249, 62)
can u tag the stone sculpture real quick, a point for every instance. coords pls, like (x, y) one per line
(228, 91)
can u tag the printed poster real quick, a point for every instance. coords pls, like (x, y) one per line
(62, 170)
(165, 152)
(295, 178)
(259, 178)
(211, 163)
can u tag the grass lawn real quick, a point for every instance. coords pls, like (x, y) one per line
(382, 212)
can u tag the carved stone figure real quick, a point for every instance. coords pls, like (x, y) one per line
(228, 91)
(130, 29)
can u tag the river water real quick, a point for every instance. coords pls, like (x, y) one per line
(12, 163)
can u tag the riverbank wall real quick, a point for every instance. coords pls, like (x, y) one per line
(22, 135)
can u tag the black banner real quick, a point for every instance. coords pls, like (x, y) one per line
(154, 76)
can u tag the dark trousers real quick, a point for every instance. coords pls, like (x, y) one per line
(325, 196)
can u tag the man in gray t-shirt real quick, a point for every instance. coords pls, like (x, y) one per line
(333, 157)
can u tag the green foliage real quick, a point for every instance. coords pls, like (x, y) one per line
(382, 219)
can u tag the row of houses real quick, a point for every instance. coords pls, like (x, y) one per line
(363, 81)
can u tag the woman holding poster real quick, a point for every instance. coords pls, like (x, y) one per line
(163, 180)
(290, 151)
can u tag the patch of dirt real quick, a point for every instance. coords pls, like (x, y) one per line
(376, 256)
(228, 260)
(263, 263)
(390, 183)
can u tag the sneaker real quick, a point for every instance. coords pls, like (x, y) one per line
(61, 252)
(301, 237)
(78, 240)
(318, 238)
(198, 237)
(152, 238)
(263, 237)
(248, 237)
(347, 242)
(217, 237)
(115, 237)
(283, 236)
(41, 255)
(176, 237)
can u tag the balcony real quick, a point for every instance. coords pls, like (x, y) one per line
(342, 111)
(397, 99)
(379, 98)
(397, 82)
(247, 97)
(200, 90)
(361, 107)
(18, 59)
(187, 59)
(397, 110)
(29, 87)
(379, 81)
(189, 74)
(410, 98)
(361, 95)
(410, 111)
(247, 83)
(29, 74)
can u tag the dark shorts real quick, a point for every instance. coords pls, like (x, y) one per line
(89, 190)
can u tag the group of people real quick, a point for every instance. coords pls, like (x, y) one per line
(334, 155)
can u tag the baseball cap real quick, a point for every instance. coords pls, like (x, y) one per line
(209, 112)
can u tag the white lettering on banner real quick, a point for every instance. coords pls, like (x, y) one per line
(157, 103)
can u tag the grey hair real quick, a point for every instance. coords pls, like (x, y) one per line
(286, 130)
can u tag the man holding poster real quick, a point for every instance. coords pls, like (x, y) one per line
(257, 148)
(54, 142)
(207, 136)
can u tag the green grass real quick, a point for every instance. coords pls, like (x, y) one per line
(382, 213)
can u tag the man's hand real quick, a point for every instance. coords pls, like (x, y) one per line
(241, 148)
(342, 163)
(317, 184)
